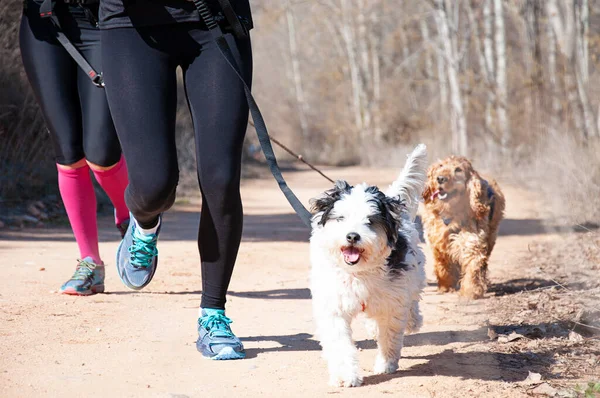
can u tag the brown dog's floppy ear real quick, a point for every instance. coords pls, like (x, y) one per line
(427, 192)
(477, 193)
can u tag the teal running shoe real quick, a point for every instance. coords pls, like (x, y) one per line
(137, 257)
(215, 338)
(88, 279)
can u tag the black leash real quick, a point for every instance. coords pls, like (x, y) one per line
(47, 11)
(297, 156)
(259, 123)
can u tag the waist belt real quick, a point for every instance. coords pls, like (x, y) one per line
(81, 2)
(47, 12)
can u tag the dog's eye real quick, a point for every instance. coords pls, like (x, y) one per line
(339, 219)
(457, 170)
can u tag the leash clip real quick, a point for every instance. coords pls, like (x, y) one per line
(98, 81)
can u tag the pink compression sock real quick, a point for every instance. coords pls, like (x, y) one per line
(78, 195)
(114, 181)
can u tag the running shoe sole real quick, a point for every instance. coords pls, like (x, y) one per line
(227, 353)
(93, 290)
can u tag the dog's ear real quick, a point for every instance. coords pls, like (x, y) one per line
(477, 193)
(429, 184)
(427, 192)
(388, 215)
(467, 167)
(394, 208)
(324, 204)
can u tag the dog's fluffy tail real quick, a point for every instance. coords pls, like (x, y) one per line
(410, 183)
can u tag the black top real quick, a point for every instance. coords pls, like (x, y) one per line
(68, 15)
(137, 13)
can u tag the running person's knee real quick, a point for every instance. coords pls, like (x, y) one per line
(104, 159)
(97, 167)
(221, 182)
(102, 148)
(154, 195)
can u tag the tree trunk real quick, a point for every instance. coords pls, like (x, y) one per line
(567, 33)
(556, 108)
(375, 39)
(488, 51)
(501, 81)
(582, 66)
(532, 60)
(349, 40)
(457, 116)
(425, 36)
(365, 68)
(443, 80)
(296, 75)
(483, 70)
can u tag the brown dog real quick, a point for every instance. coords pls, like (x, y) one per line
(462, 213)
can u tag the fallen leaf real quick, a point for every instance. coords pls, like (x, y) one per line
(532, 378)
(511, 337)
(502, 338)
(544, 389)
(574, 336)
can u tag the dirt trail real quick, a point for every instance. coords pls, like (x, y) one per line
(128, 343)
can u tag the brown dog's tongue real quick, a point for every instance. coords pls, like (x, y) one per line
(351, 254)
(435, 195)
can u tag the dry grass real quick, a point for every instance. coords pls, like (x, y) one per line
(549, 317)
(25, 162)
(567, 175)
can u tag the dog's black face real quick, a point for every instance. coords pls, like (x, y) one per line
(387, 217)
(360, 222)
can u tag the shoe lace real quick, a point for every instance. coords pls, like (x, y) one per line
(142, 250)
(217, 325)
(84, 270)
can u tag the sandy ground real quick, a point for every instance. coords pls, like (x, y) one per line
(126, 343)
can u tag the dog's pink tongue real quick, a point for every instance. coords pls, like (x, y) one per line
(351, 254)
(435, 195)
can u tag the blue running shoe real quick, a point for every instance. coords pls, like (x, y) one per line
(215, 338)
(137, 257)
(88, 279)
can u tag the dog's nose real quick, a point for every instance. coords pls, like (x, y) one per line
(352, 237)
(441, 179)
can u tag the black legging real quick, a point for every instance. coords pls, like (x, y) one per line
(76, 111)
(141, 84)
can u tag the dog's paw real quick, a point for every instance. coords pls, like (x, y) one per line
(472, 291)
(472, 294)
(385, 366)
(346, 381)
(445, 289)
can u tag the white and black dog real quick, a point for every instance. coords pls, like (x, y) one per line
(365, 259)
